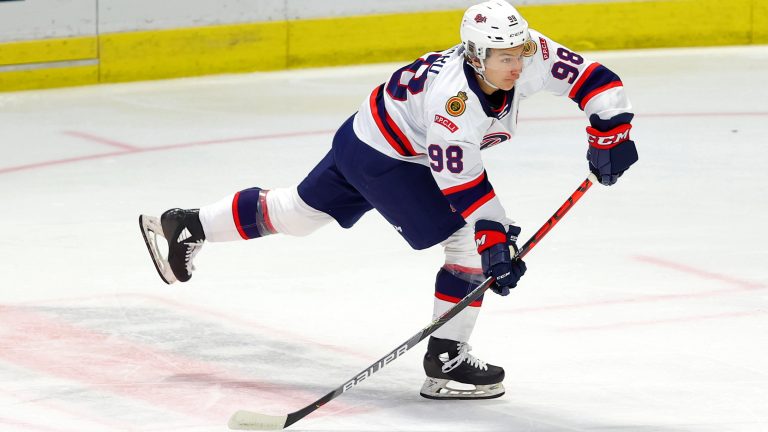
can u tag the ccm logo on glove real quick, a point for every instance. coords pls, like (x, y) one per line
(486, 239)
(609, 139)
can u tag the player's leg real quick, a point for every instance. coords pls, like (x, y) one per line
(255, 212)
(324, 195)
(248, 214)
(452, 372)
(407, 196)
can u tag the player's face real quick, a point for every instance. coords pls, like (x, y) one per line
(504, 66)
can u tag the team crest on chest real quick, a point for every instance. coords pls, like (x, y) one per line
(457, 104)
(529, 48)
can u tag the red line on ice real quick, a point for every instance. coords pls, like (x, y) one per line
(40, 342)
(621, 325)
(251, 324)
(48, 404)
(656, 115)
(130, 149)
(740, 284)
(47, 164)
(106, 141)
(246, 323)
(22, 425)
(705, 274)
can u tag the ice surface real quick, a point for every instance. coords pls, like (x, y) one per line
(644, 310)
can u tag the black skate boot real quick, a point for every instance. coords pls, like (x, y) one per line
(184, 234)
(448, 360)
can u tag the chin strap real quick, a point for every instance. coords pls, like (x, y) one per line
(480, 72)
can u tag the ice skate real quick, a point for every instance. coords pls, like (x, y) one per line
(453, 373)
(184, 235)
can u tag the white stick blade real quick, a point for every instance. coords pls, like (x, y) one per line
(247, 420)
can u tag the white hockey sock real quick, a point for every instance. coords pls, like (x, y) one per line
(291, 215)
(460, 327)
(288, 214)
(217, 221)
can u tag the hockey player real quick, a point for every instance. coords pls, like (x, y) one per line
(413, 152)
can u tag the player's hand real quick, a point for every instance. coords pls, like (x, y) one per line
(611, 152)
(493, 244)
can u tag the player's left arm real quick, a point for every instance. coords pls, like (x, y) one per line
(599, 92)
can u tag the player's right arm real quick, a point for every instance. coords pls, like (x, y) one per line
(598, 91)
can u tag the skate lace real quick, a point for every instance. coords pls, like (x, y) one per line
(192, 249)
(464, 355)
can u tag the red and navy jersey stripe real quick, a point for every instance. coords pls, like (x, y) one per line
(392, 133)
(593, 81)
(468, 197)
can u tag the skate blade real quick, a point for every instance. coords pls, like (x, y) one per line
(151, 230)
(435, 388)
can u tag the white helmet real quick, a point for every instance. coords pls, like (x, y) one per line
(492, 24)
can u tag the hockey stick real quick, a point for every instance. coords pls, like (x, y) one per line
(248, 420)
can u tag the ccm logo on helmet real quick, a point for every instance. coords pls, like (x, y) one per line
(608, 139)
(480, 19)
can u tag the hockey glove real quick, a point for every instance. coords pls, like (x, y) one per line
(493, 246)
(611, 152)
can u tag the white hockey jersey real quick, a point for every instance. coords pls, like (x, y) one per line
(432, 112)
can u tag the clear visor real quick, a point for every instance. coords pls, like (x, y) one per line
(505, 60)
